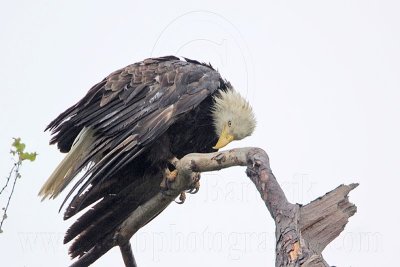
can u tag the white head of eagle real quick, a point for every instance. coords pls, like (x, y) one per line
(233, 117)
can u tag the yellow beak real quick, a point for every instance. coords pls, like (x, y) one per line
(224, 139)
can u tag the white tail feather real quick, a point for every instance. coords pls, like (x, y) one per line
(60, 177)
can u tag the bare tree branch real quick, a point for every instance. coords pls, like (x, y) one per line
(302, 232)
(322, 220)
(127, 255)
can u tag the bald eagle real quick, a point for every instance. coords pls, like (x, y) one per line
(124, 134)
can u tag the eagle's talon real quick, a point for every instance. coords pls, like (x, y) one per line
(196, 184)
(193, 191)
(182, 198)
(195, 188)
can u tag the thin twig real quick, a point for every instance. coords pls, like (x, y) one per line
(8, 178)
(17, 165)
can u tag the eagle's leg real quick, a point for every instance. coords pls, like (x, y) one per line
(170, 173)
(169, 177)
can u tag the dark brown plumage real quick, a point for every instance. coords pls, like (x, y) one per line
(137, 119)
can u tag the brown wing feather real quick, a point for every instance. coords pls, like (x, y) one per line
(141, 100)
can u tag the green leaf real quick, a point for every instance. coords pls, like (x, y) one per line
(19, 147)
(28, 156)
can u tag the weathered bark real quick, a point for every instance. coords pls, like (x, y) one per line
(302, 232)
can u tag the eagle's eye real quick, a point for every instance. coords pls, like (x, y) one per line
(229, 123)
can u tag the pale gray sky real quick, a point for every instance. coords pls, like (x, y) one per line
(323, 77)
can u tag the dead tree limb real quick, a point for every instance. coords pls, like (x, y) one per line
(302, 232)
